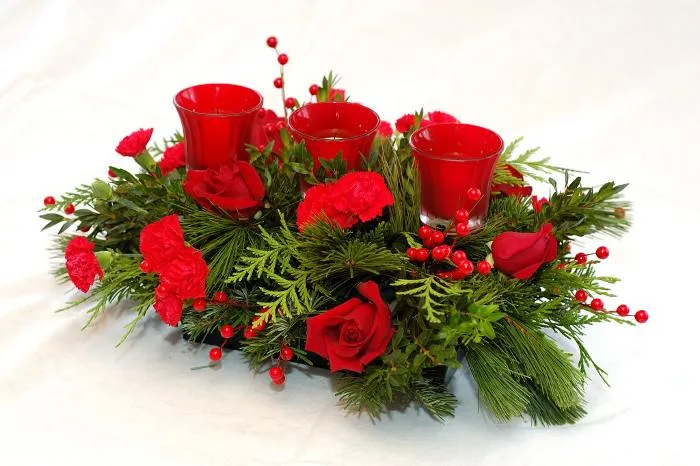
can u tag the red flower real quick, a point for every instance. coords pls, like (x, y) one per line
(81, 263)
(266, 129)
(169, 308)
(235, 188)
(385, 129)
(363, 194)
(354, 333)
(405, 123)
(336, 95)
(512, 190)
(441, 117)
(186, 274)
(135, 143)
(161, 241)
(538, 203)
(173, 158)
(357, 196)
(521, 254)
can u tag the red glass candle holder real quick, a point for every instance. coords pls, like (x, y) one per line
(216, 122)
(329, 128)
(451, 158)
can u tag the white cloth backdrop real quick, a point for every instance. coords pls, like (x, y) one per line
(607, 87)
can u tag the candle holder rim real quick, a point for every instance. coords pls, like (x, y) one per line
(316, 138)
(495, 153)
(257, 107)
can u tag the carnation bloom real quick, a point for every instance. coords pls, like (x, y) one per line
(135, 143)
(81, 263)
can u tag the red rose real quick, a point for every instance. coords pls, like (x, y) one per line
(81, 263)
(405, 123)
(336, 95)
(354, 333)
(441, 117)
(161, 241)
(357, 196)
(135, 143)
(521, 254)
(169, 308)
(385, 129)
(186, 274)
(513, 190)
(173, 158)
(235, 188)
(363, 194)
(266, 129)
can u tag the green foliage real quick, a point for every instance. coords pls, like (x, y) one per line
(280, 276)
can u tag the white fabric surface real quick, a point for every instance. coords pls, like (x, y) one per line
(607, 87)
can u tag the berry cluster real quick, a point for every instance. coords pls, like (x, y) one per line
(434, 246)
(596, 304)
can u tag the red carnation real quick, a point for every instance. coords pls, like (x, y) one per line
(336, 95)
(512, 190)
(316, 204)
(186, 274)
(135, 143)
(169, 308)
(405, 123)
(385, 129)
(173, 158)
(266, 129)
(354, 333)
(81, 263)
(441, 117)
(235, 188)
(161, 241)
(363, 194)
(521, 254)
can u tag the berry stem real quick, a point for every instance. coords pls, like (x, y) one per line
(284, 85)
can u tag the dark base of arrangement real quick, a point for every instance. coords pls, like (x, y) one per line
(438, 374)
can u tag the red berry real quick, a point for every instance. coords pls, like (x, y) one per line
(260, 326)
(473, 194)
(483, 267)
(411, 253)
(581, 296)
(425, 232)
(215, 354)
(278, 83)
(597, 304)
(262, 113)
(145, 266)
(49, 200)
(313, 89)
(290, 102)
(272, 42)
(286, 353)
(457, 275)
(641, 316)
(220, 297)
(458, 257)
(70, 208)
(111, 173)
(249, 332)
(428, 242)
(422, 255)
(581, 258)
(602, 252)
(283, 59)
(276, 373)
(85, 229)
(444, 274)
(281, 125)
(199, 304)
(279, 381)
(462, 215)
(462, 229)
(441, 252)
(226, 331)
(467, 267)
(623, 310)
(437, 237)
